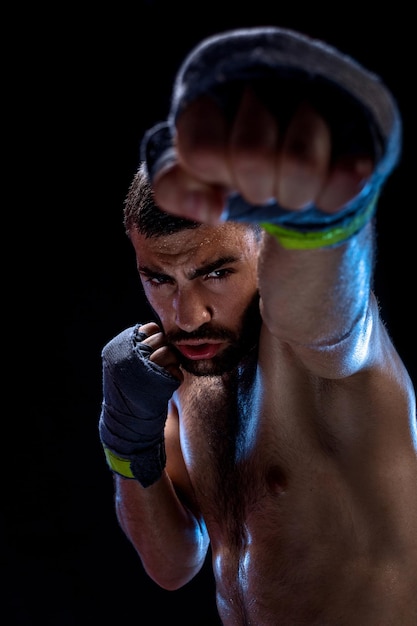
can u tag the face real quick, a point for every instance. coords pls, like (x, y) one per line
(202, 285)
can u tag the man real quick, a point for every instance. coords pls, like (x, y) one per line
(265, 411)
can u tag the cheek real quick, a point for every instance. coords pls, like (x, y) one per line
(234, 302)
(160, 304)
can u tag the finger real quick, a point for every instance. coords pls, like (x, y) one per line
(253, 146)
(178, 192)
(161, 354)
(155, 341)
(304, 159)
(202, 142)
(149, 328)
(164, 357)
(346, 179)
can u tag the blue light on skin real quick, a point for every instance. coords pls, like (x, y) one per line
(244, 566)
(249, 409)
(414, 429)
(222, 569)
(413, 417)
(364, 328)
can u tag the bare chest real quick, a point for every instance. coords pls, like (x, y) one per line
(232, 442)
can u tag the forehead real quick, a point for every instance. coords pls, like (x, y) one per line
(196, 246)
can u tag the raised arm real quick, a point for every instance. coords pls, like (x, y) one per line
(272, 127)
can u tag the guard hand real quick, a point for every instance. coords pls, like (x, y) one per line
(137, 386)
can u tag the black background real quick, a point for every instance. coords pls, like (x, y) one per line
(85, 84)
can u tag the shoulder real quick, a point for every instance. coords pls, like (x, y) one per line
(363, 368)
(365, 346)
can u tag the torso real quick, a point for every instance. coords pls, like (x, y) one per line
(303, 496)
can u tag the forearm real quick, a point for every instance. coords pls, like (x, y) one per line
(317, 300)
(170, 541)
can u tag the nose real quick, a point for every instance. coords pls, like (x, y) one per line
(191, 309)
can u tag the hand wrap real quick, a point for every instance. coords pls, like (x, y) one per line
(284, 68)
(136, 393)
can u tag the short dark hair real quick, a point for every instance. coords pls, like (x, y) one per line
(141, 212)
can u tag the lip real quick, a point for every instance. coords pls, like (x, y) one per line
(200, 350)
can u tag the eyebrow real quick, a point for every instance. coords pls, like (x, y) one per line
(200, 271)
(214, 265)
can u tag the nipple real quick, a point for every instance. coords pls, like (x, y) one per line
(276, 480)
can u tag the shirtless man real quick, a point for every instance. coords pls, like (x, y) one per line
(265, 411)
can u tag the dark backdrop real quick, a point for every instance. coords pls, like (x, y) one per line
(85, 85)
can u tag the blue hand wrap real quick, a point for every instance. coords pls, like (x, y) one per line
(285, 68)
(136, 393)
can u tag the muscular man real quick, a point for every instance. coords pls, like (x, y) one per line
(264, 411)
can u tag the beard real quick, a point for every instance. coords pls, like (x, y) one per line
(241, 343)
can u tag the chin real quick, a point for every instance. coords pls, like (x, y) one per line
(203, 368)
(223, 364)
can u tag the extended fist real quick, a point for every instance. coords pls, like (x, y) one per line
(271, 116)
(256, 157)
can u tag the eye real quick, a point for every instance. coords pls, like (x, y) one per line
(220, 274)
(156, 280)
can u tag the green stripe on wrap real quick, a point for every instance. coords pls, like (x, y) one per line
(298, 240)
(118, 465)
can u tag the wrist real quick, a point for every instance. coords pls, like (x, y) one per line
(145, 466)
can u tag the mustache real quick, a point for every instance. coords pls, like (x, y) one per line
(204, 332)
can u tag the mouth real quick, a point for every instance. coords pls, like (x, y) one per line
(196, 351)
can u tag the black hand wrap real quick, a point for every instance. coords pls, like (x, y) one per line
(136, 393)
(286, 68)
